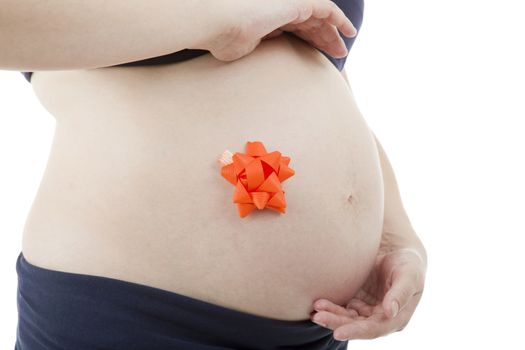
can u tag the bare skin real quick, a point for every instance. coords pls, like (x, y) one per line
(69, 198)
(389, 297)
(132, 190)
(86, 35)
(314, 21)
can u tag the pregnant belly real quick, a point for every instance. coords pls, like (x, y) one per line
(132, 189)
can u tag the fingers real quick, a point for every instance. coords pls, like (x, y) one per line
(347, 323)
(377, 325)
(333, 321)
(327, 305)
(333, 15)
(407, 281)
(341, 21)
(363, 308)
(323, 36)
(317, 22)
(326, 11)
(326, 39)
(331, 315)
(369, 328)
(355, 308)
(400, 288)
(332, 41)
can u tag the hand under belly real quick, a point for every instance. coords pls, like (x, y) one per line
(133, 191)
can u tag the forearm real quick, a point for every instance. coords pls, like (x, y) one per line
(78, 34)
(397, 227)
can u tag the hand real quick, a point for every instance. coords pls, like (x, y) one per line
(386, 301)
(315, 21)
(316, 29)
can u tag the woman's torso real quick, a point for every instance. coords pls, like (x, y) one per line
(132, 189)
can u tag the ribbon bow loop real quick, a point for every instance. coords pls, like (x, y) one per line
(257, 176)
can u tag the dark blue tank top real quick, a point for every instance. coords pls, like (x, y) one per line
(352, 8)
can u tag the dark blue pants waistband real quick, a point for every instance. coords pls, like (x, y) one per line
(70, 311)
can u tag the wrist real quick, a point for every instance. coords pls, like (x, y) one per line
(407, 240)
(420, 252)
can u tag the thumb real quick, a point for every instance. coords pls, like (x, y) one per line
(402, 289)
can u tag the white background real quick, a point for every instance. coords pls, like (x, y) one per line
(442, 84)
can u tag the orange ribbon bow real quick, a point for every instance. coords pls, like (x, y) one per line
(257, 176)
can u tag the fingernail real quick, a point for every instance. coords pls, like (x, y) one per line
(318, 305)
(339, 337)
(395, 308)
(353, 32)
(318, 322)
